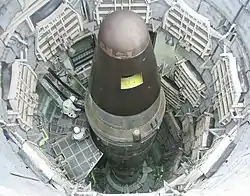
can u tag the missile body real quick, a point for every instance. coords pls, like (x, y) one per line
(125, 104)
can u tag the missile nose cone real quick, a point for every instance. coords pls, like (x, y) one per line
(124, 80)
(123, 34)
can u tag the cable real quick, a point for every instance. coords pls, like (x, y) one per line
(55, 87)
(65, 85)
(25, 177)
(60, 92)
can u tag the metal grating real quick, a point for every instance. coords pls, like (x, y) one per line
(189, 27)
(187, 79)
(79, 157)
(57, 32)
(228, 88)
(22, 96)
(172, 93)
(105, 7)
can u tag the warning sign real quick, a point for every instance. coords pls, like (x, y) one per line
(131, 81)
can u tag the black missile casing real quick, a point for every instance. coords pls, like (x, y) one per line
(124, 51)
(125, 104)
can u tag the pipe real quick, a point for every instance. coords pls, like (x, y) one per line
(65, 85)
(60, 92)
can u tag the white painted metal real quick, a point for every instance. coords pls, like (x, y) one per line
(105, 7)
(201, 137)
(22, 97)
(57, 32)
(172, 95)
(215, 157)
(227, 88)
(191, 88)
(190, 28)
(21, 17)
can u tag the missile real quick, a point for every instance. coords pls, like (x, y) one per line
(125, 103)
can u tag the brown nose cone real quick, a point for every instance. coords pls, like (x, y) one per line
(123, 34)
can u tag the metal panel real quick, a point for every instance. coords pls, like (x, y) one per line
(57, 32)
(228, 89)
(80, 157)
(172, 93)
(22, 96)
(189, 27)
(187, 79)
(105, 7)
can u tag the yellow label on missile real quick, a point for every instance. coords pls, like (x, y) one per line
(131, 81)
